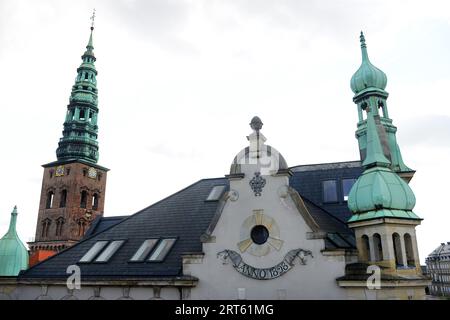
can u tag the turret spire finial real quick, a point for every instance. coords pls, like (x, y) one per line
(362, 39)
(256, 124)
(93, 19)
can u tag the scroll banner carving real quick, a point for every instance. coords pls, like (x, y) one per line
(264, 273)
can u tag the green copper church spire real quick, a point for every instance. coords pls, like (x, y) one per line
(13, 254)
(79, 140)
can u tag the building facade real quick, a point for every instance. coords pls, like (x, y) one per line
(264, 231)
(438, 267)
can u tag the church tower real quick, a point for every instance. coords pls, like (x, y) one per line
(368, 84)
(73, 187)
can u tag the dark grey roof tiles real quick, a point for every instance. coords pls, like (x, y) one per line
(102, 223)
(308, 183)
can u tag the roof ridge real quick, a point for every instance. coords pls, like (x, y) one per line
(316, 164)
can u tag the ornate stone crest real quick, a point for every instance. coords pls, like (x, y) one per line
(257, 184)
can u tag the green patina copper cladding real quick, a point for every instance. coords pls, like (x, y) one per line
(367, 76)
(379, 191)
(79, 141)
(376, 155)
(368, 84)
(13, 254)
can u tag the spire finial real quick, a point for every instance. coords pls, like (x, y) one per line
(362, 39)
(92, 19)
(256, 124)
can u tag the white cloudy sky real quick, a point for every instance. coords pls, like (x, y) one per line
(180, 80)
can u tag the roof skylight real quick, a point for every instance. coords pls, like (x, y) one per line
(96, 248)
(144, 250)
(109, 251)
(216, 193)
(162, 250)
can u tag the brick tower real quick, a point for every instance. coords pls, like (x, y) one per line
(73, 187)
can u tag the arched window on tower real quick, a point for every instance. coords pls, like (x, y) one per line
(396, 240)
(45, 227)
(409, 250)
(365, 254)
(59, 226)
(83, 201)
(364, 109)
(82, 114)
(81, 226)
(95, 201)
(63, 199)
(378, 249)
(49, 203)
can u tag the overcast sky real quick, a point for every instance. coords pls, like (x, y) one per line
(179, 82)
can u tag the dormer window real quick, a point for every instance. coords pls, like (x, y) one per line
(329, 191)
(347, 185)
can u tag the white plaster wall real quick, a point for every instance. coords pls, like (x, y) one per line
(57, 292)
(315, 280)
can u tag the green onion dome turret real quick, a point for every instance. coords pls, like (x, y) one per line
(367, 76)
(13, 254)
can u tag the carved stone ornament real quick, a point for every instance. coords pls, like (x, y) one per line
(264, 273)
(257, 184)
(233, 194)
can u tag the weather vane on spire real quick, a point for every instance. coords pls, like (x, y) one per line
(92, 19)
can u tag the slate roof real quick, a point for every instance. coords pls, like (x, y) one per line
(307, 180)
(186, 215)
(102, 223)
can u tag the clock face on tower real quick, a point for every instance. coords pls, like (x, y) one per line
(92, 173)
(59, 171)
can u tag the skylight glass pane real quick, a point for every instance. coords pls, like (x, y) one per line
(109, 251)
(96, 248)
(144, 250)
(161, 251)
(216, 193)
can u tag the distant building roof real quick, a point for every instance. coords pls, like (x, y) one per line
(442, 251)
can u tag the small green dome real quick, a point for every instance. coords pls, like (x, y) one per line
(367, 76)
(13, 254)
(380, 188)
